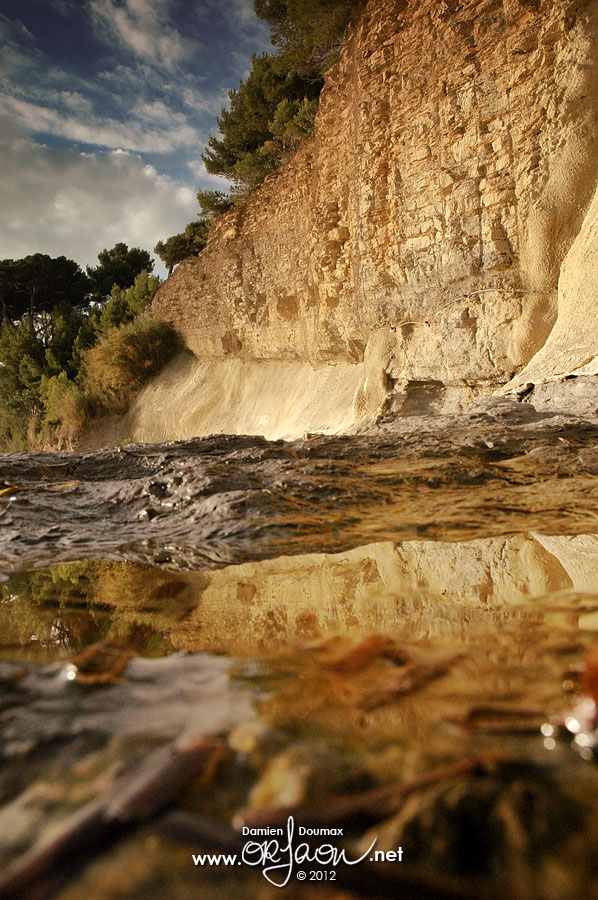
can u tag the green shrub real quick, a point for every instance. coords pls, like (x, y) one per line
(187, 243)
(213, 202)
(118, 266)
(248, 149)
(292, 122)
(61, 367)
(22, 358)
(274, 108)
(66, 407)
(125, 358)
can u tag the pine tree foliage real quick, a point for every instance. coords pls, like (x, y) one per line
(273, 110)
(118, 266)
(187, 243)
(61, 367)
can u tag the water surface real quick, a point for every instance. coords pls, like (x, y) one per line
(411, 613)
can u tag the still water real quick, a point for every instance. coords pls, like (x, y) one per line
(359, 634)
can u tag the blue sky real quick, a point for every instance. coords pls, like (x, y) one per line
(105, 108)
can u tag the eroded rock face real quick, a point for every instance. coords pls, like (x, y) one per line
(564, 370)
(278, 399)
(424, 228)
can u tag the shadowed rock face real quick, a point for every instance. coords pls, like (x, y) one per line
(419, 239)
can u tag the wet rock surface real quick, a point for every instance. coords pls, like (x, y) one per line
(110, 786)
(204, 503)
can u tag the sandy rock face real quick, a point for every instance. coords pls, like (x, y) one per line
(563, 371)
(422, 232)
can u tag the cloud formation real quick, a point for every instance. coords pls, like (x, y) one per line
(105, 108)
(163, 135)
(72, 203)
(143, 27)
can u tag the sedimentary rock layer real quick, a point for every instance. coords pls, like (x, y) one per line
(422, 231)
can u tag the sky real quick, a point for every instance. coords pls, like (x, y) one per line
(105, 108)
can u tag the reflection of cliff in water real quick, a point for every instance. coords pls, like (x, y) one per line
(424, 588)
(343, 673)
(445, 635)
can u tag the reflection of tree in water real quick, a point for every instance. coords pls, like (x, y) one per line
(46, 612)
(56, 612)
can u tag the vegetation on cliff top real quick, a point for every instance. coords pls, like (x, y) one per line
(272, 110)
(118, 266)
(179, 246)
(75, 346)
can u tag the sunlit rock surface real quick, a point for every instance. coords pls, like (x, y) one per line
(274, 398)
(563, 372)
(435, 237)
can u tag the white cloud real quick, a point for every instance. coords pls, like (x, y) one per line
(244, 12)
(148, 96)
(157, 111)
(142, 26)
(19, 55)
(64, 7)
(71, 203)
(199, 102)
(76, 102)
(166, 137)
(155, 102)
(13, 30)
(247, 27)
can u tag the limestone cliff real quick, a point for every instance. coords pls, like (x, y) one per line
(409, 255)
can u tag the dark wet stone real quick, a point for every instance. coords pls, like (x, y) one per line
(227, 499)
